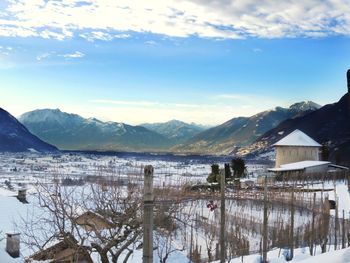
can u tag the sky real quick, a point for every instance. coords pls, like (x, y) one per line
(202, 61)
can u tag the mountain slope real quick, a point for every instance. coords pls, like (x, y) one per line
(330, 123)
(14, 137)
(242, 131)
(72, 132)
(176, 131)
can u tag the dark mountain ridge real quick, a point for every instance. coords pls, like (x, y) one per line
(14, 137)
(241, 131)
(329, 124)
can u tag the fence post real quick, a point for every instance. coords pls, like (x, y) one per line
(222, 219)
(336, 222)
(148, 199)
(264, 245)
(292, 211)
(313, 226)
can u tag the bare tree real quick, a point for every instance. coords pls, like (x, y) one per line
(211, 234)
(88, 219)
(166, 230)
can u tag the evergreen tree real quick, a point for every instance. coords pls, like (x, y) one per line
(214, 176)
(239, 168)
(325, 151)
(228, 173)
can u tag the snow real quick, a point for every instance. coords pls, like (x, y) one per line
(298, 166)
(269, 155)
(32, 150)
(339, 166)
(5, 257)
(297, 138)
(342, 196)
(31, 167)
(6, 192)
(11, 209)
(339, 256)
(301, 255)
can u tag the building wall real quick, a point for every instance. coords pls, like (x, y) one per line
(317, 169)
(309, 170)
(292, 154)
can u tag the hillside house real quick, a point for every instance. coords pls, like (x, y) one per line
(296, 147)
(299, 153)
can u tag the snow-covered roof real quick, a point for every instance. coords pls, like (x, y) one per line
(297, 138)
(339, 166)
(298, 166)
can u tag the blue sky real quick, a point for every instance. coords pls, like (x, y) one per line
(197, 61)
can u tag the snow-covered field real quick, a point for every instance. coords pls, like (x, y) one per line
(300, 255)
(27, 168)
(20, 171)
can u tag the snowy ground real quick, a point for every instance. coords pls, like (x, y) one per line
(340, 194)
(23, 171)
(11, 213)
(301, 256)
(27, 168)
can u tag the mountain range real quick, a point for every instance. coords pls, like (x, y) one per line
(174, 130)
(328, 125)
(14, 137)
(242, 131)
(73, 132)
(244, 136)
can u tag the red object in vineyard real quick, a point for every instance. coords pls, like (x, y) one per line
(212, 206)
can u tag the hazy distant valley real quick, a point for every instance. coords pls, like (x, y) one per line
(73, 132)
(46, 129)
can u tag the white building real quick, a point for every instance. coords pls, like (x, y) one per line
(296, 147)
(297, 152)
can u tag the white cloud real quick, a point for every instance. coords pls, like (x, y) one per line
(100, 35)
(6, 51)
(76, 54)
(121, 36)
(108, 19)
(232, 97)
(151, 43)
(96, 35)
(53, 54)
(183, 105)
(43, 56)
(55, 35)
